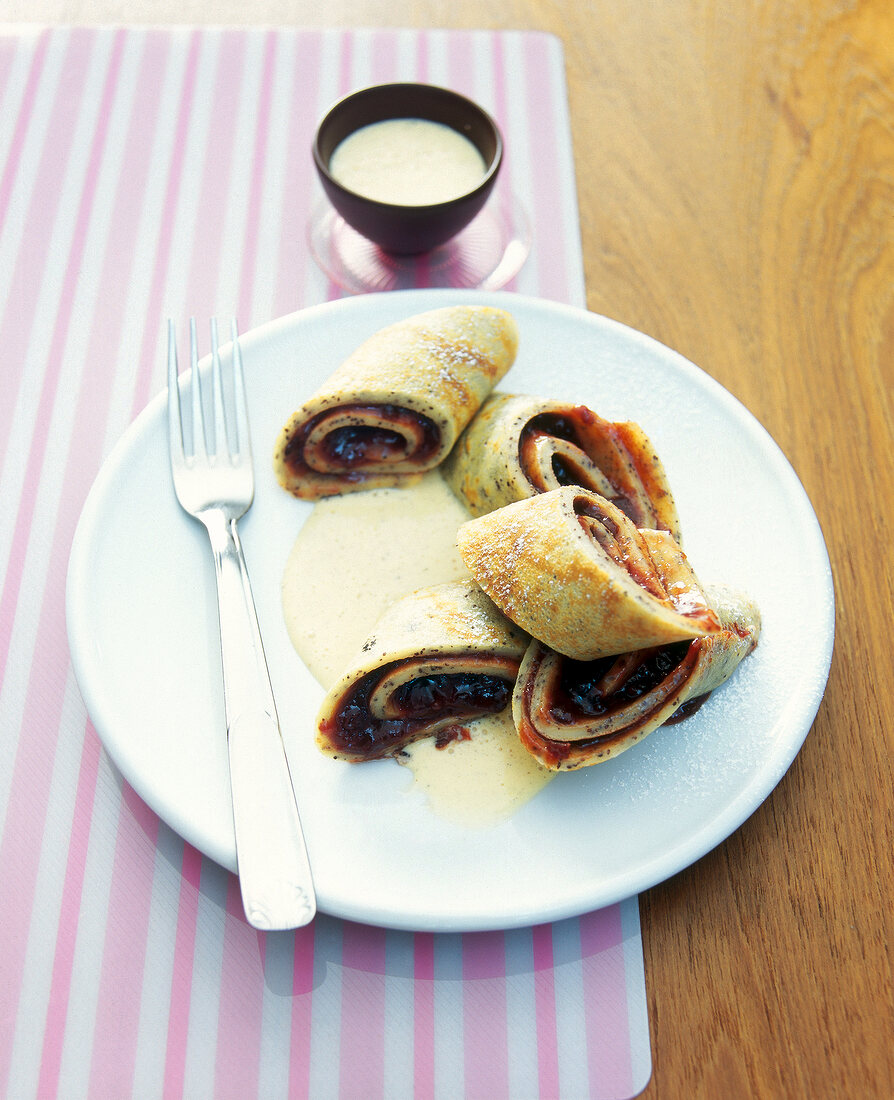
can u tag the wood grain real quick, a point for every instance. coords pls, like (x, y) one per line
(735, 169)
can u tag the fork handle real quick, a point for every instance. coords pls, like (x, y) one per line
(274, 872)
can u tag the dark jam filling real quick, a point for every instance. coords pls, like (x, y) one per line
(554, 424)
(458, 694)
(360, 445)
(688, 708)
(354, 446)
(578, 694)
(565, 474)
(419, 702)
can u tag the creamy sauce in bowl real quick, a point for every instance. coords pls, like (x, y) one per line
(407, 162)
(355, 555)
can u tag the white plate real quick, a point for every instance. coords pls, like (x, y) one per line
(143, 635)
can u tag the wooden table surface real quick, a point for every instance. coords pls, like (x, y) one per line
(735, 170)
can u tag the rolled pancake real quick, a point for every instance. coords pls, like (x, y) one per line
(437, 659)
(397, 405)
(573, 571)
(517, 446)
(572, 714)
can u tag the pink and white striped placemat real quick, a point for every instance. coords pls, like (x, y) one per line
(133, 164)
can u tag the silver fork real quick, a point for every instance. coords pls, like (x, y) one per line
(215, 483)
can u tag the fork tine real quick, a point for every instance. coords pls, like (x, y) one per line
(199, 438)
(221, 434)
(243, 437)
(175, 424)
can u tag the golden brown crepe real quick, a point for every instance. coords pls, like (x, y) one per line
(517, 446)
(571, 714)
(437, 659)
(396, 406)
(573, 571)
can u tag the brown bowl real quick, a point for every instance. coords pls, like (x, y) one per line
(398, 228)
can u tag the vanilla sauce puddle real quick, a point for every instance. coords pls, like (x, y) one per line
(355, 555)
